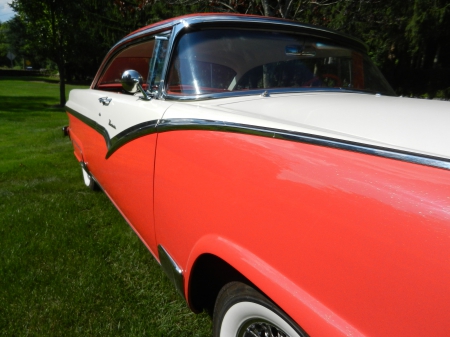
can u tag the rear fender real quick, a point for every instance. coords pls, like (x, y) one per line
(77, 147)
(297, 303)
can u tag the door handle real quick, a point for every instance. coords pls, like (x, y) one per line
(105, 100)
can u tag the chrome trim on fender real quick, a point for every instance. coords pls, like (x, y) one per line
(124, 137)
(202, 124)
(165, 125)
(97, 127)
(171, 269)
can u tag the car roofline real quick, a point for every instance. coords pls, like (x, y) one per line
(228, 20)
(193, 20)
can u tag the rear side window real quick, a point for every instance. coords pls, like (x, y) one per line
(136, 57)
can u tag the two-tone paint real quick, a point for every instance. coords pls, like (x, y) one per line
(335, 205)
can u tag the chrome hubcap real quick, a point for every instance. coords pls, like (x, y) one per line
(260, 329)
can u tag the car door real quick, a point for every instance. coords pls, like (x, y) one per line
(125, 171)
(118, 146)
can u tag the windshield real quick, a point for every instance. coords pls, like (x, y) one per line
(228, 60)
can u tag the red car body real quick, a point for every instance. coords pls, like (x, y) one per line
(348, 236)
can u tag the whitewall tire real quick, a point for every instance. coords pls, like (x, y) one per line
(241, 311)
(88, 180)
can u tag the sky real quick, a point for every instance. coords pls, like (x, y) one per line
(6, 12)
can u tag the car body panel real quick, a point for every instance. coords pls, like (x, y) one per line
(333, 202)
(127, 175)
(391, 122)
(316, 317)
(388, 220)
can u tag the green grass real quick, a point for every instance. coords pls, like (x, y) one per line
(69, 263)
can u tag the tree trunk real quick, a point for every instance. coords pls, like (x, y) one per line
(266, 7)
(62, 84)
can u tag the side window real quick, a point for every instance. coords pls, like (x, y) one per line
(157, 62)
(136, 57)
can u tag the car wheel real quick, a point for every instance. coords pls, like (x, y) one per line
(88, 180)
(241, 311)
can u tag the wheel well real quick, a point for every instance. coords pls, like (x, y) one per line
(209, 274)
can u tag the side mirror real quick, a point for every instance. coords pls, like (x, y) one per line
(132, 82)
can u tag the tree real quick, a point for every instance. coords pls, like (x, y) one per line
(3, 43)
(49, 31)
(16, 39)
(287, 9)
(428, 31)
(404, 38)
(60, 31)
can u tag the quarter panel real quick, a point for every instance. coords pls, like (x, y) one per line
(126, 177)
(346, 228)
(76, 127)
(126, 173)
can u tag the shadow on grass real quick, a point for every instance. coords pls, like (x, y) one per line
(53, 80)
(28, 104)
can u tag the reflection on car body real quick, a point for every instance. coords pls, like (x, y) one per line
(275, 176)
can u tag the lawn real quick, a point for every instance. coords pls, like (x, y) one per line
(69, 263)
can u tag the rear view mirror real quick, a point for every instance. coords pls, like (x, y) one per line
(132, 82)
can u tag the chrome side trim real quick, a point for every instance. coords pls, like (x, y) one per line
(124, 137)
(173, 272)
(130, 134)
(202, 124)
(166, 125)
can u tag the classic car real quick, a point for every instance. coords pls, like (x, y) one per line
(275, 176)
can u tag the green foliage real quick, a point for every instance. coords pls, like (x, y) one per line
(71, 266)
(402, 36)
(4, 48)
(428, 31)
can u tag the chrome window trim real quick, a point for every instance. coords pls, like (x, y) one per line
(172, 270)
(172, 37)
(252, 23)
(175, 27)
(257, 21)
(124, 44)
(260, 92)
(236, 21)
(133, 38)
